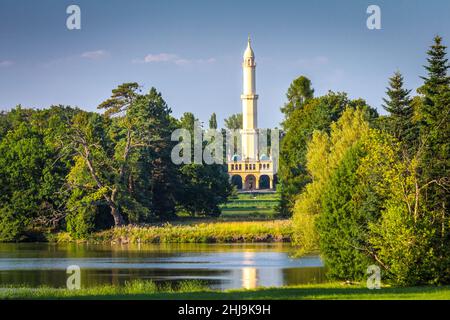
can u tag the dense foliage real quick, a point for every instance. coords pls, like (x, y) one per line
(66, 169)
(303, 118)
(383, 196)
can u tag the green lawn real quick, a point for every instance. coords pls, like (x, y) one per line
(248, 206)
(193, 291)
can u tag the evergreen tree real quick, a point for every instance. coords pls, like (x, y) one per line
(434, 154)
(399, 105)
(299, 92)
(164, 177)
(341, 226)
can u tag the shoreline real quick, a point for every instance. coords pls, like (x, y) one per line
(269, 231)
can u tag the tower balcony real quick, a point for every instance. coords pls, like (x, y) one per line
(251, 166)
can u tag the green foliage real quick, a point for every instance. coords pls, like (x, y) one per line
(299, 92)
(316, 114)
(434, 115)
(342, 227)
(124, 162)
(81, 222)
(403, 245)
(63, 167)
(11, 225)
(400, 107)
(324, 154)
(32, 170)
(205, 188)
(382, 197)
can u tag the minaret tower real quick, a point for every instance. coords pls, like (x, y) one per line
(249, 106)
(250, 170)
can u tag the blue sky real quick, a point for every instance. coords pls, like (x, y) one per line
(191, 50)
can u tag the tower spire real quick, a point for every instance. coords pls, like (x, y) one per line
(249, 51)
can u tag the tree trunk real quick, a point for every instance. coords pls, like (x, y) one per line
(118, 219)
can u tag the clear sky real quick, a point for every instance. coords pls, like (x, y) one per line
(191, 50)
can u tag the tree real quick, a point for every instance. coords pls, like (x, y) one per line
(204, 186)
(317, 114)
(213, 121)
(299, 92)
(123, 158)
(399, 105)
(434, 151)
(158, 126)
(341, 226)
(399, 232)
(106, 159)
(32, 171)
(324, 154)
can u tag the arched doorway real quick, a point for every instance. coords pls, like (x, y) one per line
(264, 182)
(250, 182)
(237, 181)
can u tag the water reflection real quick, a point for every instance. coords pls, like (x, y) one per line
(249, 278)
(220, 266)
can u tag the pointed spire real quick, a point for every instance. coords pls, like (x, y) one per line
(249, 51)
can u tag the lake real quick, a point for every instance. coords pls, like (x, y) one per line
(220, 266)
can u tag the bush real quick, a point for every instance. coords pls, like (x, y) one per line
(11, 225)
(81, 222)
(342, 227)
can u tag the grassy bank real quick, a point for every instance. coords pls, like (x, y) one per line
(194, 290)
(212, 232)
(246, 218)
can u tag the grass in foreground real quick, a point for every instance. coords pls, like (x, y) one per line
(195, 290)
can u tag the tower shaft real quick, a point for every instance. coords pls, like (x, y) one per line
(249, 107)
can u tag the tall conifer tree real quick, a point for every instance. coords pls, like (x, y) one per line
(399, 105)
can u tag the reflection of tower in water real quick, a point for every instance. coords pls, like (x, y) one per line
(256, 269)
(249, 278)
(249, 274)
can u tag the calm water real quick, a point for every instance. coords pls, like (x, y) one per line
(220, 266)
